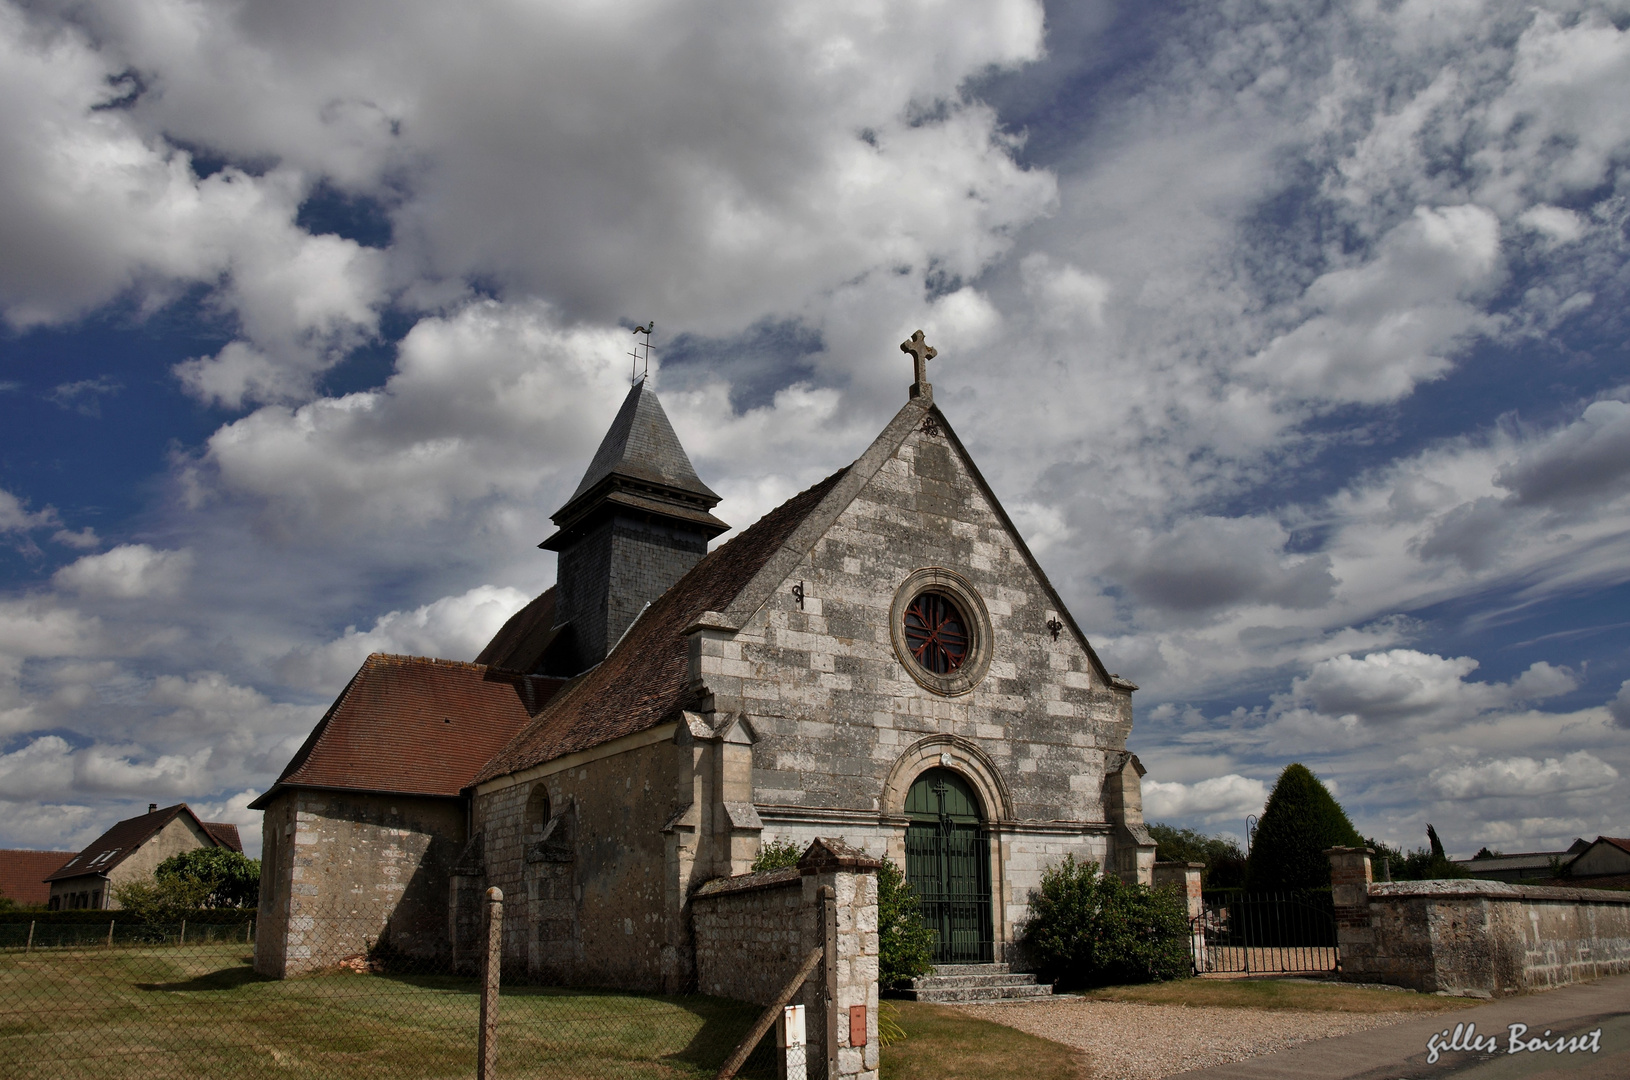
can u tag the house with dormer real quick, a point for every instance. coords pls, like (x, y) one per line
(131, 851)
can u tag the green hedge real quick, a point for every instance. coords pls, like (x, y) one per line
(49, 935)
(205, 916)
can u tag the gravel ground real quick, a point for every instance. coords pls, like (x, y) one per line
(1131, 1041)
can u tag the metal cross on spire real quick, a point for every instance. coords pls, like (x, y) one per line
(642, 352)
(921, 353)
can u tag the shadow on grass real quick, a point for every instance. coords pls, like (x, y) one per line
(724, 1024)
(233, 978)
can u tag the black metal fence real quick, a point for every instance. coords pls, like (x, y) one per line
(130, 1000)
(1265, 933)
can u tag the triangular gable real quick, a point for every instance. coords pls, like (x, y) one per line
(779, 568)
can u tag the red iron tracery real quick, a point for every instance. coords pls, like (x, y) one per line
(936, 633)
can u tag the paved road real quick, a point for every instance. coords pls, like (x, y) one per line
(1400, 1052)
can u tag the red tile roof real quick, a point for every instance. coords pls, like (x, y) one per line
(225, 834)
(23, 874)
(114, 846)
(644, 680)
(414, 726)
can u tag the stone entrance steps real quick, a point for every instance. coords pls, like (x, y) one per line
(975, 983)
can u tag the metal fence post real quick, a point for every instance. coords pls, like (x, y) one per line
(491, 964)
(110, 932)
(30, 946)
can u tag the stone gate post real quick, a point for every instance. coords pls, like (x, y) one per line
(1350, 895)
(1186, 877)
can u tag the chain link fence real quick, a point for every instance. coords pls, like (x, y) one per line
(172, 1001)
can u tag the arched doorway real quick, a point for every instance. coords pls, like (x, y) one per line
(948, 864)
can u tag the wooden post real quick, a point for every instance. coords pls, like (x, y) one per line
(110, 933)
(768, 1017)
(30, 947)
(491, 964)
(829, 991)
(183, 940)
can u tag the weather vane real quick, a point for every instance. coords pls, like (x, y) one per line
(642, 353)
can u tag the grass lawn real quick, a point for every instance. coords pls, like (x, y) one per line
(1280, 994)
(171, 1013)
(943, 1043)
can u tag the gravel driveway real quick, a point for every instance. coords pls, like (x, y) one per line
(1130, 1041)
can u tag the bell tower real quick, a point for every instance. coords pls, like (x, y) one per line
(637, 522)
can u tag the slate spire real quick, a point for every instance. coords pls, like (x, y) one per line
(641, 451)
(638, 520)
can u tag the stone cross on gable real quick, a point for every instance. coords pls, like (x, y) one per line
(921, 353)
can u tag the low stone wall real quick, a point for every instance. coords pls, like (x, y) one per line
(753, 931)
(1474, 937)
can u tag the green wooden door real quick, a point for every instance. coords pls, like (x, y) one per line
(948, 864)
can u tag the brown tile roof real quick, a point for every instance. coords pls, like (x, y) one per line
(644, 679)
(415, 726)
(114, 846)
(23, 874)
(519, 644)
(225, 834)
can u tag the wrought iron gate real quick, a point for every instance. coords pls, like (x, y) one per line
(948, 864)
(1265, 933)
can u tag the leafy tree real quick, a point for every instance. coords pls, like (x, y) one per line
(1485, 852)
(1087, 928)
(163, 899)
(235, 878)
(1419, 864)
(1301, 821)
(1224, 861)
(905, 946)
(776, 855)
(6, 902)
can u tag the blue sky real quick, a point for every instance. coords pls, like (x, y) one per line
(1294, 338)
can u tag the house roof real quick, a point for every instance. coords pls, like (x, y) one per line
(115, 846)
(225, 834)
(411, 725)
(23, 873)
(1620, 842)
(521, 642)
(645, 678)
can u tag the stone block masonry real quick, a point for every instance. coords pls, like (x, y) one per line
(359, 868)
(752, 931)
(1478, 938)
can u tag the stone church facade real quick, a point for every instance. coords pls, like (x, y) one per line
(879, 660)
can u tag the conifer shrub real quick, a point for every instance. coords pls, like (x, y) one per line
(1087, 928)
(1301, 821)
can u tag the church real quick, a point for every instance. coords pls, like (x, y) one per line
(879, 660)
